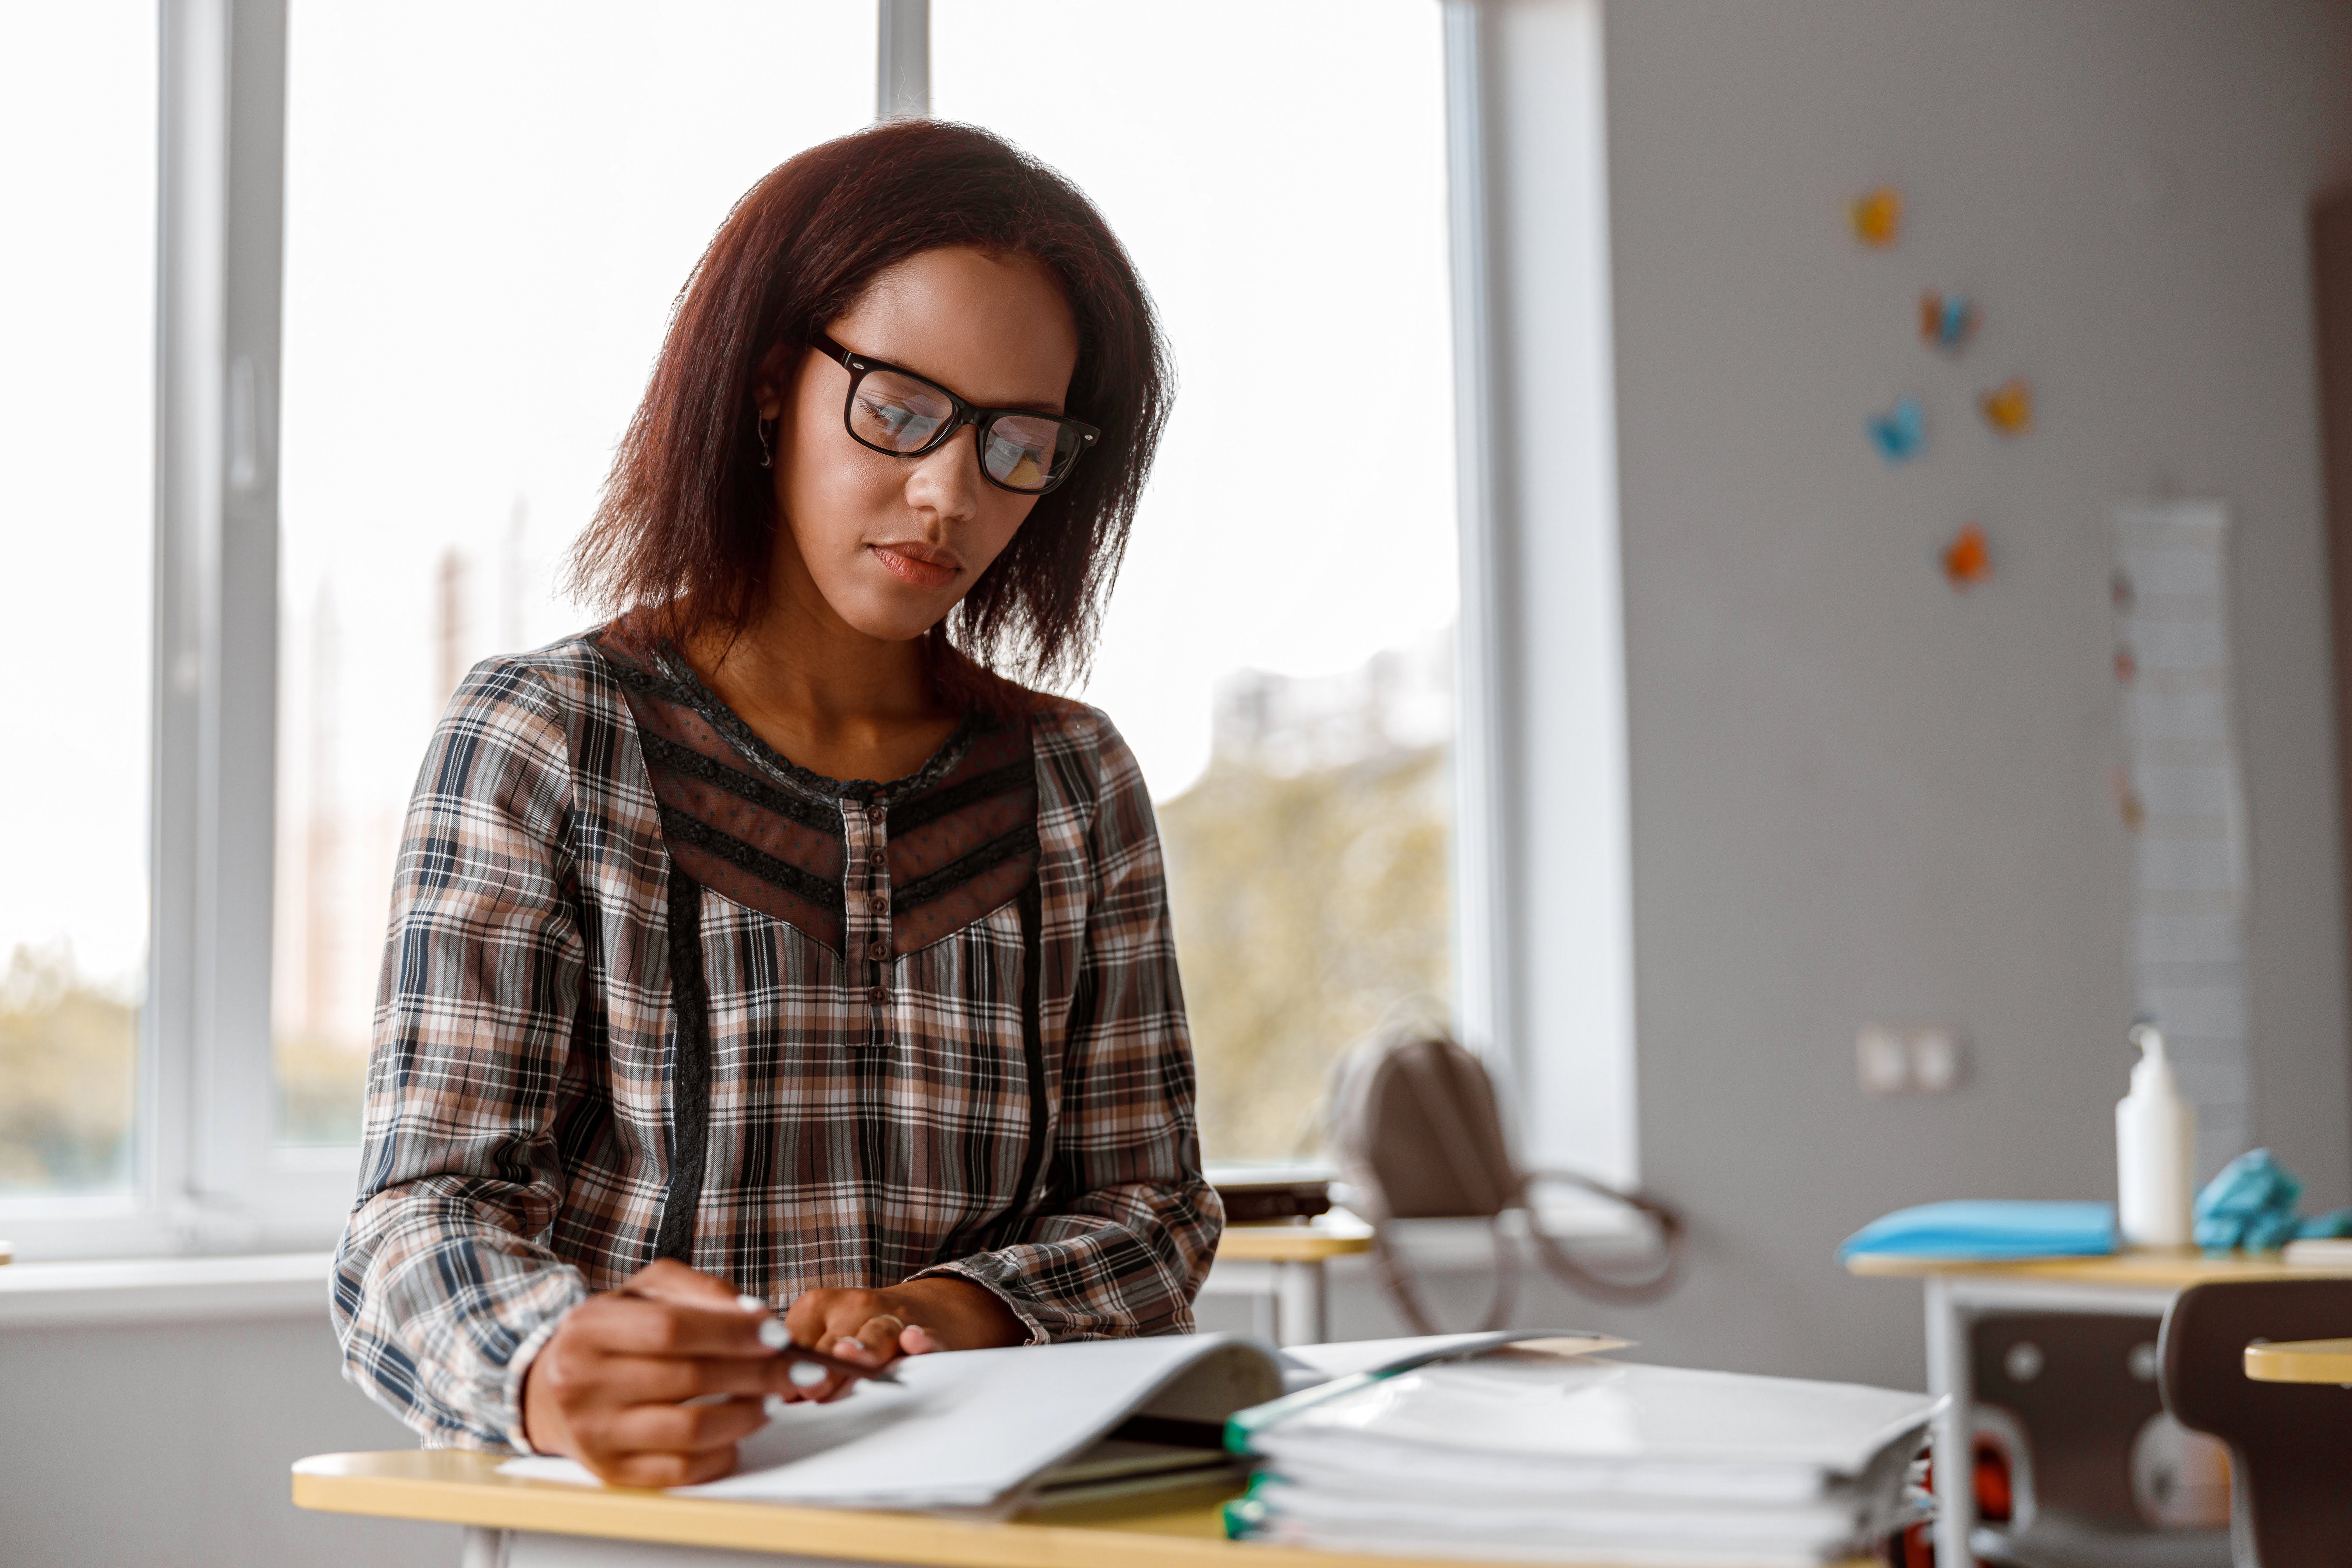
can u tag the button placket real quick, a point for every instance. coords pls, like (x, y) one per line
(866, 883)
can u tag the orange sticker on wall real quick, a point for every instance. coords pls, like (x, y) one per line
(1967, 559)
(1946, 322)
(2009, 407)
(1878, 218)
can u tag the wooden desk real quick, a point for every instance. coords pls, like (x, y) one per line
(1283, 1263)
(515, 1523)
(1960, 1291)
(2300, 1361)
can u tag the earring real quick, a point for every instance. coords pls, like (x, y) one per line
(767, 456)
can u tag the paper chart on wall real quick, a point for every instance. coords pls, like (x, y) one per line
(2183, 797)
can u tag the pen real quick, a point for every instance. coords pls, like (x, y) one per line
(771, 1334)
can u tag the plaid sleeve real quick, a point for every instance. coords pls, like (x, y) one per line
(1130, 1223)
(444, 1284)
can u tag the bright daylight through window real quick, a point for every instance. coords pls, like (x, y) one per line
(1279, 652)
(482, 243)
(77, 104)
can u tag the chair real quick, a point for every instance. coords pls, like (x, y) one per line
(2289, 1443)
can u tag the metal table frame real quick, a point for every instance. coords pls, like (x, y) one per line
(1955, 1302)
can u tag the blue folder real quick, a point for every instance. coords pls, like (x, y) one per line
(1988, 1228)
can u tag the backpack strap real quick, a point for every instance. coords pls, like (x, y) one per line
(1457, 1106)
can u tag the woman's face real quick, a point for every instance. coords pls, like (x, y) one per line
(890, 543)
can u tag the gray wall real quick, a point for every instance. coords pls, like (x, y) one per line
(168, 1446)
(1855, 795)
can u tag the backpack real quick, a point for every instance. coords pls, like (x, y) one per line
(1412, 1119)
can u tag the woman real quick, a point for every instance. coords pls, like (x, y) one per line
(679, 1030)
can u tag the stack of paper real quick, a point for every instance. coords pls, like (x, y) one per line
(1537, 1457)
(995, 1430)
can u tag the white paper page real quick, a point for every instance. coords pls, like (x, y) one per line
(1598, 1410)
(962, 1429)
(1371, 1355)
(1307, 1365)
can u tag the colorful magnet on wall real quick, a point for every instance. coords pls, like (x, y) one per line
(2009, 407)
(1946, 322)
(1900, 434)
(2126, 664)
(1878, 218)
(1967, 560)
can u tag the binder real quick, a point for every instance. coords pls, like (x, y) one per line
(1522, 1457)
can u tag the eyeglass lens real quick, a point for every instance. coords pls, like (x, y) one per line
(900, 414)
(1026, 451)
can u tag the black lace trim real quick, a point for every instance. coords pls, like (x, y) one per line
(932, 807)
(1021, 840)
(821, 816)
(680, 827)
(691, 692)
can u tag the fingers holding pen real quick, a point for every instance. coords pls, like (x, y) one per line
(653, 1383)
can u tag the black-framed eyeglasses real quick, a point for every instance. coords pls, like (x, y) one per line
(898, 412)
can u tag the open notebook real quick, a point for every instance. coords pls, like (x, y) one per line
(995, 1430)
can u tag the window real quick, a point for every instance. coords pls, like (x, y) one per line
(1278, 174)
(78, 152)
(318, 378)
(468, 331)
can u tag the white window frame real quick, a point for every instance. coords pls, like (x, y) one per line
(210, 1175)
(1542, 862)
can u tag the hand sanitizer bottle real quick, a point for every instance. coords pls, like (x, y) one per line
(2155, 1149)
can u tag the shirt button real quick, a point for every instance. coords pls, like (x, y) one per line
(879, 906)
(877, 950)
(876, 994)
(877, 858)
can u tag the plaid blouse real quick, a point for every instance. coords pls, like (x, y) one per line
(651, 990)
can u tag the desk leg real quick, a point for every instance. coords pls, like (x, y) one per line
(1298, 1304)
(1948, 1376)
(483, 1547)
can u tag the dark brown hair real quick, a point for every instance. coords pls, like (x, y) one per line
(682, 536)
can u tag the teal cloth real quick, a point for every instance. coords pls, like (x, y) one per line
(2248, 1205)
(1988, 1228)
(2326, 1227)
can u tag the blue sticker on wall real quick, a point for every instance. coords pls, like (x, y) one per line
(1946, 322)
(1900, 434)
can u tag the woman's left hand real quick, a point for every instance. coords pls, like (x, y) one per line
(875, 1328)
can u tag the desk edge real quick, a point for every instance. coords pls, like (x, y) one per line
(877, 1537)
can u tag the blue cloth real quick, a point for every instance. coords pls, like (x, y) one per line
(2326, 1227)
(1988, 1228)
(2250, 1205)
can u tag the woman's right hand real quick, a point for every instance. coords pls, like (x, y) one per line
(611, 1386)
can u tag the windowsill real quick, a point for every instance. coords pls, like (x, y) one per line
(294, 1284)
(163, 1290)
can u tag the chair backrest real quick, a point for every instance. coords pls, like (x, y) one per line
(1418, 1130)
(1414, 1124)
(2290, 1443)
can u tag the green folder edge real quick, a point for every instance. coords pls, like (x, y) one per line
(1245, 1513)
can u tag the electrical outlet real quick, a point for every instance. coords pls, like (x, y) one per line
(1935, 1059)
(1882, 1060)
(1908, 1059)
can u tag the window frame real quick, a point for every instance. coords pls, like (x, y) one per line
(209, 1174)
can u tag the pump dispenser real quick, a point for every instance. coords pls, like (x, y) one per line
(2155, 1149)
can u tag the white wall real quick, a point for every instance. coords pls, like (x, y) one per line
(169, 1446)
(1855, 795)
